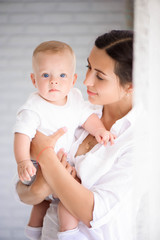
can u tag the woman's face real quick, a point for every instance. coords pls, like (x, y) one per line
(102, 84)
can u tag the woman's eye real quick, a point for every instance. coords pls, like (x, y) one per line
(45, 75)
(89, 67)
(99, 77)
(63, 75)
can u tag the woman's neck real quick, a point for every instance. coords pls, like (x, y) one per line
(114, 112)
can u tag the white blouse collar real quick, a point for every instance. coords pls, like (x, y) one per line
(129, 119)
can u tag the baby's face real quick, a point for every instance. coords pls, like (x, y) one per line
(54, 75)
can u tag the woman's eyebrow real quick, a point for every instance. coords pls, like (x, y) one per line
(97, 69)
(101, 72)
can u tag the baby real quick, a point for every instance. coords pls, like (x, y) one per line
(56, 104)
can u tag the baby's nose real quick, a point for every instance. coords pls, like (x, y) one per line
(54, 81)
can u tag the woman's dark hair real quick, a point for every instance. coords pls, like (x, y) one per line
(118, 44)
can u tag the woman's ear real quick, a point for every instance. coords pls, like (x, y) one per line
(129, 88)
(33, 79)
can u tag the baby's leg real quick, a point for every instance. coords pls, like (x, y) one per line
(66, 220)
(37, 214)
(34, 227)
(68, 225)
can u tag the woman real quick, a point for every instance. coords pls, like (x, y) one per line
(103, 202)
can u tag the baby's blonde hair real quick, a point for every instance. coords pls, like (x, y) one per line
(54, 47)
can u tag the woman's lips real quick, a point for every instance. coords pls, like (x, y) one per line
(90, 93)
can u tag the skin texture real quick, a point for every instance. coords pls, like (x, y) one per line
(103, 88)
(53, 75)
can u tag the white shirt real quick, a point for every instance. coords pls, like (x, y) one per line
(38, 114)
(108, 173)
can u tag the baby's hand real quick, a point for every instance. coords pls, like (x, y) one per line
(103, 136)
(26, 170)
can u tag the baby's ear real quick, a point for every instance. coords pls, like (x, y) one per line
(74, 78)
(33, 79)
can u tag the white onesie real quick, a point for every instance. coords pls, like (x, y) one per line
(38, 114)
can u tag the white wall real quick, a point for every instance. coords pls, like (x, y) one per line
(23, 25)
(154, 119)
(147, 90)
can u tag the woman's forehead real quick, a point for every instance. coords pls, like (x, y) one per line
(99, 59)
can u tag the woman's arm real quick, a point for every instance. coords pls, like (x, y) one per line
(34, 193)
(78, 200)
(39, 189)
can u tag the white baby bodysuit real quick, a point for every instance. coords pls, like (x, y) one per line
(38, 114)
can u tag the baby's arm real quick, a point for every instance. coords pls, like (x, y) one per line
(22, 154)
(96, 128)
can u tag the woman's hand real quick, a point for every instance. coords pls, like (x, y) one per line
(41, 141)
(62, 156)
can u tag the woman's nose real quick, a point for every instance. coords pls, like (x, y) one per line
(89, 79)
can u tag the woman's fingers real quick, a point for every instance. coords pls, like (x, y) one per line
(41, 141)
(74, 173)
(69, 168)
(58, 133)
(60, 154)
(38, 143)
(39, 134)
(39, 138)
(64, 160)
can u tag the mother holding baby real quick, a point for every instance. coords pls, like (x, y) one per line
(102, 200)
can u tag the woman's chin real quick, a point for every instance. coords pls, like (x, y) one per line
(92, 100)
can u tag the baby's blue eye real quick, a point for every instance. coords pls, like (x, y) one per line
(63, 75)
(46, 75)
